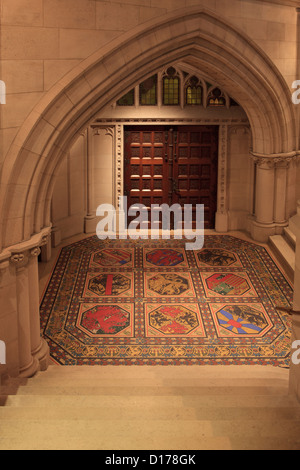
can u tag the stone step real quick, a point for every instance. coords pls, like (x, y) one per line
(285, 254)
(128, 443)
(141, 402)
(166, 413)
(169, 372)
(85, 408)
(153, 391)
(147, 431)
(178, 444)
(101, 383)
(273, 443)
(290, 237)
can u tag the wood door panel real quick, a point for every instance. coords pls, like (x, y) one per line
(195, 168)
(172, 165)
(145, 167)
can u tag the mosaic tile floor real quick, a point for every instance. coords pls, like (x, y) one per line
(152, 302)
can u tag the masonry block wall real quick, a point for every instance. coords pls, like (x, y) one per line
(44, 40)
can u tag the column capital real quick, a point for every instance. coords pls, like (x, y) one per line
(17, 253)
(274, 159)
(20, 259)
(35, 252)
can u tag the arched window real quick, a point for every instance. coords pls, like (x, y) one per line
(148, 92)
(216, 98)
(171, 88)
(176, 87)
(193, 92)
(127, 100)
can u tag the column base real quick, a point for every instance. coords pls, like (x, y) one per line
(42, 354)
(55, 237)
(262, 232)
(29, 371)
(90, 224)
(221, 222)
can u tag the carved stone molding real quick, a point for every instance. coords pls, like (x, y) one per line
(18, 254)
(44, 240)
(105, 122)
(274, 160)
(110, 131)
(35, 252)
(244, 128)
(95, 130)
(19, 260)
(119, 191)
(222, 177)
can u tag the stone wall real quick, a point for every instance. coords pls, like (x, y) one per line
(42, 41)
(69, 197)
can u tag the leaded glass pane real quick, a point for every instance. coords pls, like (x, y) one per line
(127, 100)
(194, 95)
(148, 92)
(215, 98)
(171, 89)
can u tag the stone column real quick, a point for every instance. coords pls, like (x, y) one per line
(271, 194)
(263, 225)
(265, 191)
(54, 240)
(28, 365)
(222, 210)
(280, 211)
(39, 347)
(89, 221)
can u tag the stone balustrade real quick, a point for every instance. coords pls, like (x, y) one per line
(26, 351)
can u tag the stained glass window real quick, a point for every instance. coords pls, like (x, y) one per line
(175, 87)
(193, 92)
(148, 92)
(127, 100)
(216, 98)
(171, 88)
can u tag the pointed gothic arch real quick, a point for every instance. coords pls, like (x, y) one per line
(194, 36)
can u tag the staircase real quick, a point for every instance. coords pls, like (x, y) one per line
(284, 248)
(150, 408)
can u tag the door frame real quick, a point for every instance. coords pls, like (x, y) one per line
(115, 128)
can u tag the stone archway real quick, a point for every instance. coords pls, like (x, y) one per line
(195, 37)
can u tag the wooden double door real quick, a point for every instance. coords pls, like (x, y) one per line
(172, 164)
